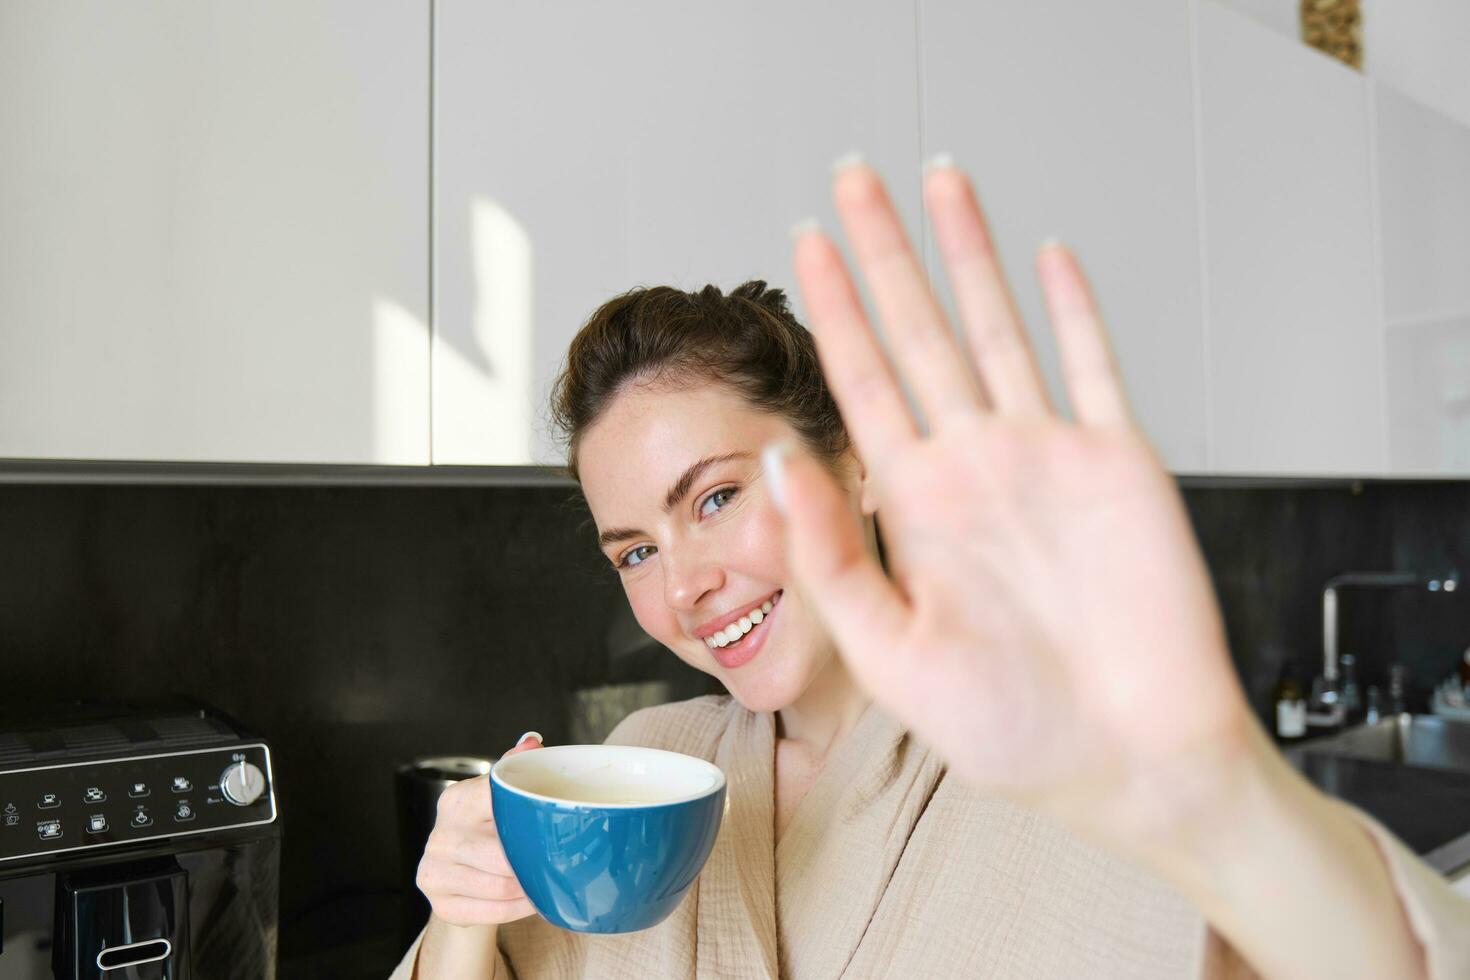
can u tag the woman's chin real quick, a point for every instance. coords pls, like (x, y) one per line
(760, 694)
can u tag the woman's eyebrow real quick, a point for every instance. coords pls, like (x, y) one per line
(676, 493)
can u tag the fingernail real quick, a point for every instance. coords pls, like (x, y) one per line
(1050, 242)
(773, 462)
(535, 735)
(805, 226)
(846, 161)
(939, 161)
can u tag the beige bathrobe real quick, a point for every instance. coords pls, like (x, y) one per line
(890, 869)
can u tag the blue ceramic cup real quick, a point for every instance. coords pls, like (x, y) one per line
(606, 838)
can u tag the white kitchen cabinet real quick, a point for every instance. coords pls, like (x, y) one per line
(214, 230)
(1424, 209)
(1077, 121)
(1418, 47)
(583, 148)
(1293, 306)
(1281, 16)
(1428, 368)
(1423, 161)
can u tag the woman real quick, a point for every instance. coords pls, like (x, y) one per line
(1061, 812)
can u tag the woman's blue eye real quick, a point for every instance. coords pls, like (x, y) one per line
(723, 496)
(634, 556)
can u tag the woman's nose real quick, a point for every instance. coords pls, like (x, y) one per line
(688, 578)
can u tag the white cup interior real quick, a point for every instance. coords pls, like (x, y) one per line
(608, 775)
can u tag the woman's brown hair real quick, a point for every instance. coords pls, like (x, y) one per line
(747, 340)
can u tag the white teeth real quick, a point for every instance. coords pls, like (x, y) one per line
(740, 627)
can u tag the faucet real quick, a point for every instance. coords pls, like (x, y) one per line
(1369, 580)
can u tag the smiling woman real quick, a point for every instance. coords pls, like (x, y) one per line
(842, 828)
(975, 762)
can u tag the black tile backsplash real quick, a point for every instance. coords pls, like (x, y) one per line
(365, 617)
(1271, 548)
(352, 626)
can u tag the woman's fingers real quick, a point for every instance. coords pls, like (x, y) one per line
(464, 910)
(924, 349)
(864, 612)
(997, 337)
(482, 852)
(461, 879)
(1088, 370)
(528, 741)
(858, 375)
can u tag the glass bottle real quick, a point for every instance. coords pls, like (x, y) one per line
(1291, 707)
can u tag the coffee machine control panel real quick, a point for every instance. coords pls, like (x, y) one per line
(74, 806)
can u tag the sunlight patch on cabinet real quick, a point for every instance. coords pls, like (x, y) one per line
(484, 380)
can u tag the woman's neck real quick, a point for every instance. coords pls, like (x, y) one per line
(827, 710)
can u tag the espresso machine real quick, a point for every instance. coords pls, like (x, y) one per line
(138, 841)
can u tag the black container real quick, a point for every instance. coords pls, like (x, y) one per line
(417, 785)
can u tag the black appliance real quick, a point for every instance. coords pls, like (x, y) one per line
(138, 841)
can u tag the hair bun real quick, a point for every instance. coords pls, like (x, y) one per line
(746, 340)
(767, 297)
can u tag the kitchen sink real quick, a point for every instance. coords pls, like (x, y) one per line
(1426, 741)
(1409, 772)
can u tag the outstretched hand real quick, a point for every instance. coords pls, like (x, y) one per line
(1049, 626)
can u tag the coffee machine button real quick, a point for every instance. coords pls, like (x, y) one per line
(142, 819)
(181, 784)
(138, 789)
(97, 823)
(94, 795)
(242, 783)
(48, 800)
(48, 829)
(183, 812)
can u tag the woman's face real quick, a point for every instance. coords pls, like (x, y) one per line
(673, 478)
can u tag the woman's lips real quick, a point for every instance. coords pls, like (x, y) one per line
(743, 650)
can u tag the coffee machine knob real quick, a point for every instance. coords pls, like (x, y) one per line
(242, 783)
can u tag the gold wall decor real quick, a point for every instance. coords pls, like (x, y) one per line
(1334, 27)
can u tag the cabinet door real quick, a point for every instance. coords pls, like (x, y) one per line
(1077, 120)
(214, 228)
(583, 148)
(1296, 343)
(1424, 209)
(1424, 213)
(1282, 16)
(1418, 47)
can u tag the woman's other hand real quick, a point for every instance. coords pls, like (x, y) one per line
(464, 872)
(1050, 627)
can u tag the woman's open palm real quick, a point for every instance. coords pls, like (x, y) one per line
(1049, 625)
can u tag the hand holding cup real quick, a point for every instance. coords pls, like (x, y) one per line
(464, 872)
